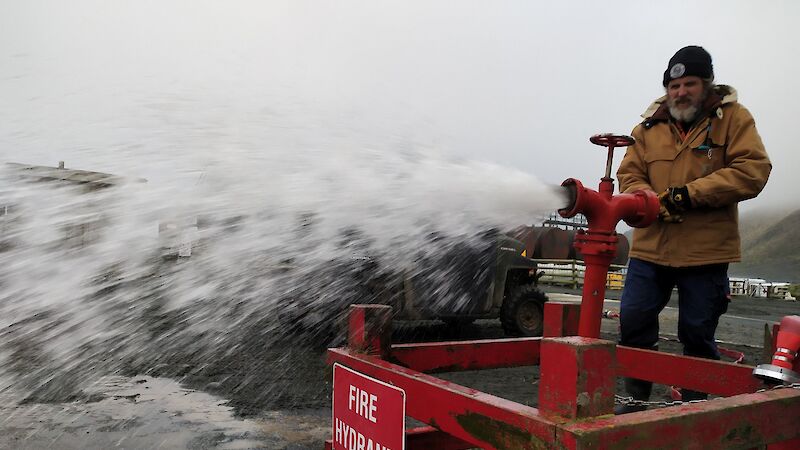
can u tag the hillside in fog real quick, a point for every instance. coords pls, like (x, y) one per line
(770, 245)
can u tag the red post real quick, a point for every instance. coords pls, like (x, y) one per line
(577, 378)
(370, 329)
(561, 319)
(598, 251)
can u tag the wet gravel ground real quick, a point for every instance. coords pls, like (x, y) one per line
(278, 397)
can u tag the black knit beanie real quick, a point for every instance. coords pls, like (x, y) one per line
(689, 61)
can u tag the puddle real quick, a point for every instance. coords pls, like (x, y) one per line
(146, 412)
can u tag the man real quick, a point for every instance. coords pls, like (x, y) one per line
(698, 148)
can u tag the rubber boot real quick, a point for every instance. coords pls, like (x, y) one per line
(689, 395)
(639, 390)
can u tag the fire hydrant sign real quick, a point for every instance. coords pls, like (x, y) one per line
(368, 414)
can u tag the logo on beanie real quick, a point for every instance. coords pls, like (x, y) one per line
(677, 71)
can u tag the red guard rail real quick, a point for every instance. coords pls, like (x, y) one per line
(576, 393)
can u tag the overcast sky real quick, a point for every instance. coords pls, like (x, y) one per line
(519, 83)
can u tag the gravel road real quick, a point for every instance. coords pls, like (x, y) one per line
(148, 412)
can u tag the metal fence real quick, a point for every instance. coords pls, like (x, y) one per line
(570, 273)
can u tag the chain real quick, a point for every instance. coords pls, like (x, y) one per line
(780, 386)
(630, 401)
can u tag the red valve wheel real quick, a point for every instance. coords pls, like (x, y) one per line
(612, 140)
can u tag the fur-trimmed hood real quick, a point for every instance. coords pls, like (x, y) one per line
(727, 93)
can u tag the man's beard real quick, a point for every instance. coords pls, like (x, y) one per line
(689, 113)
(686, 115)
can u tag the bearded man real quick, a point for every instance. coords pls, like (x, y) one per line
(698, 148)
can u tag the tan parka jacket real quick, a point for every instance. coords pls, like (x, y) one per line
(732, 166)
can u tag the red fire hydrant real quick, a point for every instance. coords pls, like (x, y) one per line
(785, 367)
(598, 244)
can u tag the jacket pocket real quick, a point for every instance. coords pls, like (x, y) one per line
(659, 166)
(723, 292)
(708, 159)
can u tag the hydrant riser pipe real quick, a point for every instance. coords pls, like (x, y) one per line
(598, 244)
(594, 290)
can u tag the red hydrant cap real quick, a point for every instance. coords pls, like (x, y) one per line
(790, 324)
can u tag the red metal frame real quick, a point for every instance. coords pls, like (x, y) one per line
(578, 373)
(575, 394)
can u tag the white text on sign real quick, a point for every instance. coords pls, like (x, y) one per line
(351, 439)
(368, 414)
(364, 402)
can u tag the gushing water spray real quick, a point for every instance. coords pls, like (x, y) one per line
(278, 242)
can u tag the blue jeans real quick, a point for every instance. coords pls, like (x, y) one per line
(703, 296)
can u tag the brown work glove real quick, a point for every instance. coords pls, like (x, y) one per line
(674, 201)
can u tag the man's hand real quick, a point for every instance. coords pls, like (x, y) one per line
(674, 201)
(665, 216)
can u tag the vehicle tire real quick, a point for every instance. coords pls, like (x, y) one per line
(457, 322)
(522, 313)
